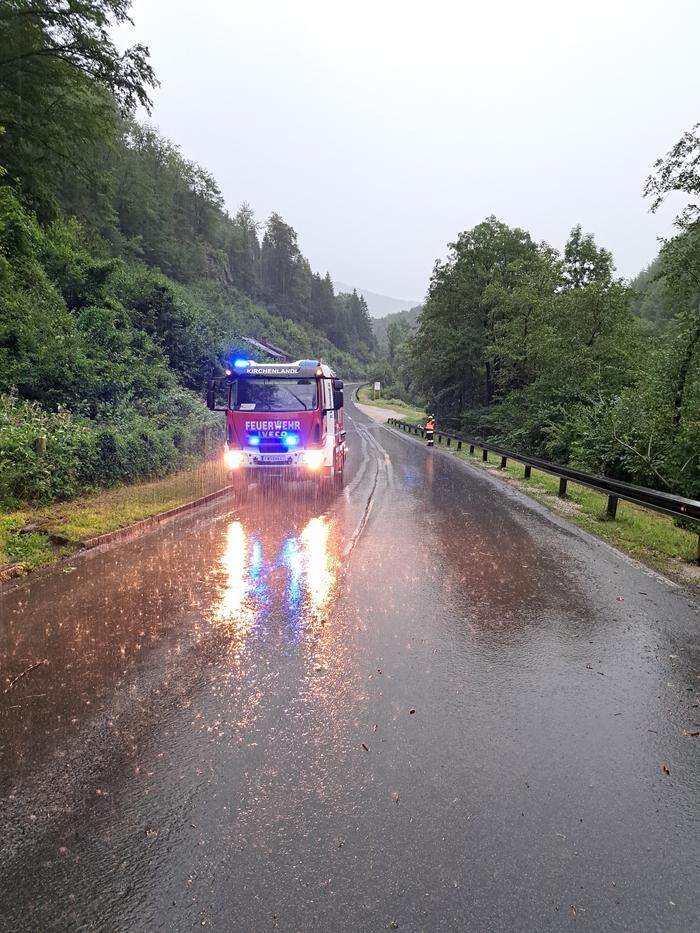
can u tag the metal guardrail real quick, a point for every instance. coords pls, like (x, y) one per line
(615, 489)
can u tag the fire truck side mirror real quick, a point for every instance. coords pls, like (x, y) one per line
(217, 394)
(337, 394)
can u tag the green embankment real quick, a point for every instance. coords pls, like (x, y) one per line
(61, 529)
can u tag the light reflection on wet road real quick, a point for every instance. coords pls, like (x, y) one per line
(421, 702)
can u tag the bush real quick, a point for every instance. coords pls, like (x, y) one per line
(119, 446)
(26, 475)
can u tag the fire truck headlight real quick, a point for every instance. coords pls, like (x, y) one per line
(313, 459)
(290, 440)
(233, 459)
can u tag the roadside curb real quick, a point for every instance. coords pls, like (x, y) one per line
(14, 573)
(134, 531)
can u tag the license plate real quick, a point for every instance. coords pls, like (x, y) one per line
(274, 458)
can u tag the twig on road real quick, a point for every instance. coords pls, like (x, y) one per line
(23, 674)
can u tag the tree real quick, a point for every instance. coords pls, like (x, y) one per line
(244, 251)
(352, 325)
(453, 369)
(584, 262)
(286, 275)
(61, 78)
(397, 333)
(678, 172)
(321, 308)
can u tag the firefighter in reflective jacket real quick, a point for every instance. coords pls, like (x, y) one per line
(430, 430)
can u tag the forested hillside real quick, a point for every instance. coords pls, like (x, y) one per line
(551, 353)
(123, 279)
(383, 325)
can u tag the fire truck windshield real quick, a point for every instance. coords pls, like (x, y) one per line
(274, 395)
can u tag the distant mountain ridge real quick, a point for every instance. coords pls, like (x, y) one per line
(379, 305)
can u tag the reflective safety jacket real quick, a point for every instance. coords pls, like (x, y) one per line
(430, 425)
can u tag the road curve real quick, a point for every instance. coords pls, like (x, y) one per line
(423, 704)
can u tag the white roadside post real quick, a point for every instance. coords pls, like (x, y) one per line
(377, 389)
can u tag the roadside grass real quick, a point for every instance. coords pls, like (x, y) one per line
(59, 529)
(408, 413)
(649, 536)
(28, 550)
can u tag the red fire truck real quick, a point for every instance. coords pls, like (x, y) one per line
(282, 419)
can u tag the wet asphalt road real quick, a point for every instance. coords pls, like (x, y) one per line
(424, 704)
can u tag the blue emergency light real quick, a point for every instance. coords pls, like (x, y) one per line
(290, 440)
(254, 440)
(241, 364)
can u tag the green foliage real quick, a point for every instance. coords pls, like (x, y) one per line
(678, 172)
(351, 326)
(398, 332)
(62, 80)
(380, 325)
(652, 300)
(123, 281)
(544, 353)
(104, 354)
(24, 473)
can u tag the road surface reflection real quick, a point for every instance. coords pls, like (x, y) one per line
(249, 569)
(126, 617)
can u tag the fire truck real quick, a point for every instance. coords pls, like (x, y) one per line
(282, 419)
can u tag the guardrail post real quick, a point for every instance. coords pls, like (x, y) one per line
(528, 471)
(504, 461)
(612, 506)
(439, 438)
(562, 487)
(485, 455)
(459, 445)
(449, 440)
(471, 449)
(422, 432)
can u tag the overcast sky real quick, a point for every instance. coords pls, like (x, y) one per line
(380, 129)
